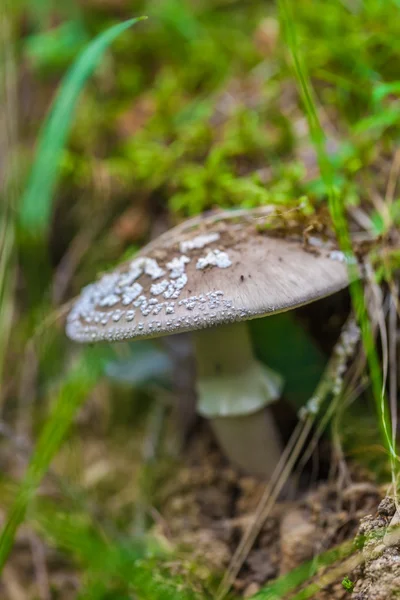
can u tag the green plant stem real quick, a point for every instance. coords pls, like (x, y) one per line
(340, 224)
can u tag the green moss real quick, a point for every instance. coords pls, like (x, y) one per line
(348, 584)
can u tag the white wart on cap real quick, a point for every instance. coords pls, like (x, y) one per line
(208, 271)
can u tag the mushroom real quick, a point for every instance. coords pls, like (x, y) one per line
(210, 275)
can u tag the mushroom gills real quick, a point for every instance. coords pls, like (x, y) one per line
(234, 390)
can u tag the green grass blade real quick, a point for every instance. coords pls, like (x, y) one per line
(72, 394)
(35, 209)
(8, 177)
(7, 282)
(290, 582)
(338, 214)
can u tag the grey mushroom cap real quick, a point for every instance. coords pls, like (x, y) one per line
(209, 271)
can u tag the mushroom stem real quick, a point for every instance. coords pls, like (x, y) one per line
(234, 390)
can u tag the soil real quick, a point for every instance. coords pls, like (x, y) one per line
(208, 505)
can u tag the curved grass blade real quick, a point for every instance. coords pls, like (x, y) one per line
(339, 219)
(285, 586)
(35, 208)
(8, 177)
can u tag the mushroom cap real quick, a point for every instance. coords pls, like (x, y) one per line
(208, 271)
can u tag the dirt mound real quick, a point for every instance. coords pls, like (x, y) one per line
(208, 506)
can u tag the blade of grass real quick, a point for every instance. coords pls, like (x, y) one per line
(72, 394)
(280, 588)
(7, 279)
(8, 176)
(338, 214)
(35, 208)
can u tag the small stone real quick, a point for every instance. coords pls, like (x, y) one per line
(251, 589)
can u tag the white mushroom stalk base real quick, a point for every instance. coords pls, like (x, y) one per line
(234, 391)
